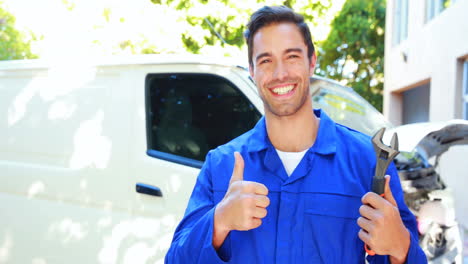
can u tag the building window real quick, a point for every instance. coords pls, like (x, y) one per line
(400, 22)
(465, 90)
(435, 7)
(416, 104)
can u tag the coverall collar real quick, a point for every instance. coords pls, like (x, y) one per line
(325, 142)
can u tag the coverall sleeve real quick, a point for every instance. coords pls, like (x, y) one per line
(192, 241)
(415, 253)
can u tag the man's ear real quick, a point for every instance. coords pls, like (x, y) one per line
(313, 62)
(251, 71)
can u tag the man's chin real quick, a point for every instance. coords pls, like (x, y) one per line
(287, 112)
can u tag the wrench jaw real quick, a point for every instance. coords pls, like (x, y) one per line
(385, 154)
(383, 151)
(394, 143)
(377, 141)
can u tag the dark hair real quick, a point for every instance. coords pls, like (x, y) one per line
(275, 14)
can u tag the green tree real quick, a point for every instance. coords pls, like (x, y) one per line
(13, 44)
(207, 18)
(353, 52)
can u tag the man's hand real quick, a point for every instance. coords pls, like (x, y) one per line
(243, 206)
(382, 228)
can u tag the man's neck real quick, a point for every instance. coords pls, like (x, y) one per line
(293, 133)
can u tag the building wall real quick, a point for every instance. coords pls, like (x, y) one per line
(435, 52)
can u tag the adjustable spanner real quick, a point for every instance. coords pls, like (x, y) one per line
(385, 155)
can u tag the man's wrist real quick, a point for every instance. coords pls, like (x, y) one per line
(220, 231)
(219, 225)
(401, 253)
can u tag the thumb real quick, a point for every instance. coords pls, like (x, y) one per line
(238, 171)
(388, 192)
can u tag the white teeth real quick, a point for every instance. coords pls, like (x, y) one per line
(283, 90)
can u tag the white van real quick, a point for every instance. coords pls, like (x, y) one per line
(98, 158)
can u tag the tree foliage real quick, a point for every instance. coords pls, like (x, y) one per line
(353, 52)
(13, 44)
(207, 18)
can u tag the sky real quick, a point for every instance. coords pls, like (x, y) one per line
(70, 28)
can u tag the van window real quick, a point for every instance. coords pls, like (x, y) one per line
(189, 114)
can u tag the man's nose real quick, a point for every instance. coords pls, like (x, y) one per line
(281, 71)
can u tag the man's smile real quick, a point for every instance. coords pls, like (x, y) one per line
(283, 90)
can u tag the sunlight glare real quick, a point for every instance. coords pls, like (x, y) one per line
(91, 147)
(5, 248)
(35, 189)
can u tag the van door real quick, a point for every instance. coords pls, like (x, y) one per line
(182, 112)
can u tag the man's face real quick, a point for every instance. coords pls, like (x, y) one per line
(281, 68)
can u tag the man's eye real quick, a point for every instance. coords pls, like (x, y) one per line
(292, 56)
(264, 61)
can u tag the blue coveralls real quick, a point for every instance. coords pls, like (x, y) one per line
(312, 214)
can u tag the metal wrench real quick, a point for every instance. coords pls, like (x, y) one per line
(385, 155)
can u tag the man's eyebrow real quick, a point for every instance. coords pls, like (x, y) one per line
(293, 50)
(261, 55)
(268, 54)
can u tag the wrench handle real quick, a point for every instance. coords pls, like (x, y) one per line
(366, 247)
(378, 184)
(369, 251)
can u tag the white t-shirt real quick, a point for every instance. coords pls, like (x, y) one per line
(290, 159)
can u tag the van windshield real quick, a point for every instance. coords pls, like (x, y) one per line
(345, 106)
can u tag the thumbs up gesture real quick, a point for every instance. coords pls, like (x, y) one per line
(244, 204)
(381, 225)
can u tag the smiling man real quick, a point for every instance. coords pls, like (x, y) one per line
(294, 189)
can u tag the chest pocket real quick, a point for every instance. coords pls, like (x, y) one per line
(331, 229)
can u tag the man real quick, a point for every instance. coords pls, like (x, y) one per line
(294, 189)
